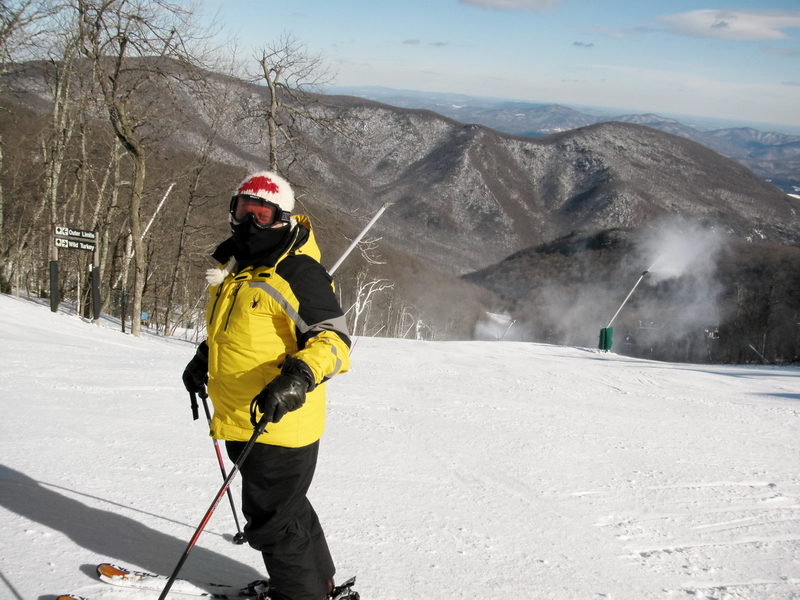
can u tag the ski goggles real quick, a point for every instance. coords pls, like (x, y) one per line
(263, 213)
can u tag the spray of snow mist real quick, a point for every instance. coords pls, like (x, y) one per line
(683, 270)
(678, 248)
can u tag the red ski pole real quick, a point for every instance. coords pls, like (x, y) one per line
(240, 537)
(261, 427)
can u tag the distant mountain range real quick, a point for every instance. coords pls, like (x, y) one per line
(480, 198)
(467, 196)
(773, 156)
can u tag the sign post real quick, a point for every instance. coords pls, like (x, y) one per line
(97, 301)
(54, 285)
(75, 239)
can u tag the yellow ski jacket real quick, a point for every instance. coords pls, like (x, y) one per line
(255, 318)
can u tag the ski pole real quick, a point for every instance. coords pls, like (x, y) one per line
(259, 430)
(193, 398)
(240, 537)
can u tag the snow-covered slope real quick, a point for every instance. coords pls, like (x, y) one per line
(448, 470)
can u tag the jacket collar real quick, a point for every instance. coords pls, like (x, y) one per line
(302, 241)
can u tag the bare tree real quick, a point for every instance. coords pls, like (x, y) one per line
(17, 20)
(364, 292)
(16, 31)
(59, 71)
(219, 107)
(4, 249)
(134, 45)
(293, 75)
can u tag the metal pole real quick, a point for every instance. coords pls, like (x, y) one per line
(759, 353)
(54, 286)
(54, 298)
(510, 325)
(259, 430)
(626, 298)
(240, 537)
(97, 301)
(359, 236)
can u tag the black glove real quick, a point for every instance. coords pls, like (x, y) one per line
(195, 375)
(285, 393)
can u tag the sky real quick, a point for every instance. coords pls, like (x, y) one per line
(496, 469)
(729, 59)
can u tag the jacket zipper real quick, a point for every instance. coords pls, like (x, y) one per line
(214, 308)
(233, 303)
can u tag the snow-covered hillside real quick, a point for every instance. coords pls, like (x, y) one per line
(492, 470)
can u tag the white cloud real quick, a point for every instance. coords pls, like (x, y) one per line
(736, 25)
(534, 5)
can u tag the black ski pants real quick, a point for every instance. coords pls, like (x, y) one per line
(281, 523)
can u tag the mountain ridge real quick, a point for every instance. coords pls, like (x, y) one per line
(483, 194)
(462, 197)
(781, 166)
(465, 196)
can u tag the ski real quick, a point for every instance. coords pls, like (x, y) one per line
(142, 580)
(146, 594)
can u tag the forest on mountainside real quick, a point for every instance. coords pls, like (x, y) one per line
(704, 298)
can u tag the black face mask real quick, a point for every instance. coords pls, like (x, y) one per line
(254, 243)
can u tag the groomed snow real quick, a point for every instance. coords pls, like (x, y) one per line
(492, 470)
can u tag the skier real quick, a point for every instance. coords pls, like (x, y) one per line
(276, 334)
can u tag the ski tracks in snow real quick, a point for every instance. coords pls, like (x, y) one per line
(727, 539)
(603, 492)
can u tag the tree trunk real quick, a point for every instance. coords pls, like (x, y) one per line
(139, 257)
(272, 120)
